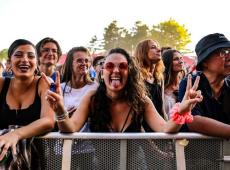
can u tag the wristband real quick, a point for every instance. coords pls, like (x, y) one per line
(180, 118)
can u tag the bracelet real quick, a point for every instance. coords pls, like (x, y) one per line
(62, 117)
(180, 118)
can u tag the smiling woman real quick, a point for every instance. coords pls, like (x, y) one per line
(22, 98)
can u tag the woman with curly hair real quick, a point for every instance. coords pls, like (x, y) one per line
(148, 57)
(120, 103)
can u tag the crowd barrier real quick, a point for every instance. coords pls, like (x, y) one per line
(113, 151)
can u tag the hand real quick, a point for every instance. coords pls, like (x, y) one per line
(191, 96)
(7, 141)
(55, 99)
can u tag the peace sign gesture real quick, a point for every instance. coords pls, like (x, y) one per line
(191, 97)
(54, 96)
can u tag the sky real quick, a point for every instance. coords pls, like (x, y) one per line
(75, 22)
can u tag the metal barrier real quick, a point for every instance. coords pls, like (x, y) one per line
(121, 151)
(112, 151)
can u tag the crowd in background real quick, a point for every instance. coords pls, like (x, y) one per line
(148, 92)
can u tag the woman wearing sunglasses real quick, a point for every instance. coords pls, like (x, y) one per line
(120, 103)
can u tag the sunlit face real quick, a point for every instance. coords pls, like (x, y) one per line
(23, 61)
(154, 53)
(49, 54)
(80, 63)
(115, 73)
(177, 62)
(219, 62)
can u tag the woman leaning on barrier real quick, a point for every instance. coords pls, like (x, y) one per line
(120, 103)
(22, 98)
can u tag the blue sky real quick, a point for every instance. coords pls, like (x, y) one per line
(74, 22)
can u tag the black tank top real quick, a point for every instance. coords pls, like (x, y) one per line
(19, 117)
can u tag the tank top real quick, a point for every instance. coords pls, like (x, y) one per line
(19, 117)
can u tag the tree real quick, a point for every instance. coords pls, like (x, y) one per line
(170, 33)
(139, 32)
(3, 54)
(167, 33)
(115, 36)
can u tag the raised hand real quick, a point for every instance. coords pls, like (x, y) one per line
(55, 98)
(192, 96)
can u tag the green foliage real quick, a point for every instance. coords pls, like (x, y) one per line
(3, 54)
(168, 33)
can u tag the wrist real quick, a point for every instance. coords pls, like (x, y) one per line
(179, 118)
(63, 116)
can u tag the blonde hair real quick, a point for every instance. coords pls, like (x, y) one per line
(141, 56)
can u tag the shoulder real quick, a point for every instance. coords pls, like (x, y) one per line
(93, 86)
(42, 84)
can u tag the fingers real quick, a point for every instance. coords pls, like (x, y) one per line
(46, 79)
(4, 150)
(14, 150)
(198, 98)
(196, 83)
(189, 83)
(58, 83)
(52, 96)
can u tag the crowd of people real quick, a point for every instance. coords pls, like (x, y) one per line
(147, 92)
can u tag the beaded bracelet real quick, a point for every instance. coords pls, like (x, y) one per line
(62, 117)
(180, 118)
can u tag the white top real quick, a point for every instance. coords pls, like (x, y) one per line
(169, 101)
(72, 97)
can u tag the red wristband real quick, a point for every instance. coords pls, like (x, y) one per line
(180, 118)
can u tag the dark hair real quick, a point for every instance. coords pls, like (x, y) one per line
(167, 58)
(41, 43)
(96, 59)
(16, 44)
(163, 49)
(68, 66)
(134, 93)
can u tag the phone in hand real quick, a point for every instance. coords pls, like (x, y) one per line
(53, 87)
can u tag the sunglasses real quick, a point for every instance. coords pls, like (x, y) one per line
(123, 66)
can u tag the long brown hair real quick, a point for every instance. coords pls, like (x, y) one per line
(141, 55)
(68, 66)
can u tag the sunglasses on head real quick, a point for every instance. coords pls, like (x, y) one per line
(123, 66)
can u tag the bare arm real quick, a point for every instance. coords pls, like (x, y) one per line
(190, 99)
(79, 117)
(40, 126)
(156, 122)
(209, 126)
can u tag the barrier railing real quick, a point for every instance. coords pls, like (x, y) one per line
(133, 151)
(113, 151)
